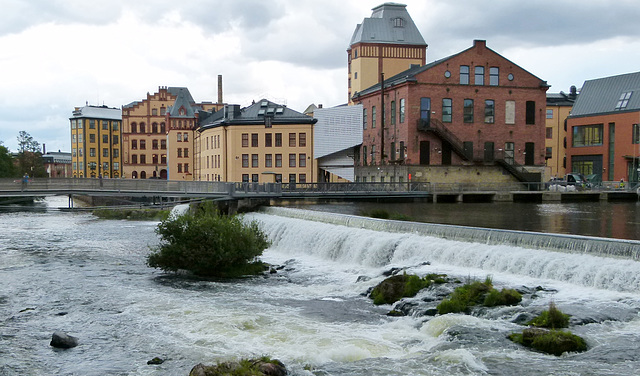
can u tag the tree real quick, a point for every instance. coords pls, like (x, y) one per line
(29, 156)
(7, 168)
(208, 243)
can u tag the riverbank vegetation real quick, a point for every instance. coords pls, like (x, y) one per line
(210, 244)
(132, 214)
(403, 285)
(475, 293)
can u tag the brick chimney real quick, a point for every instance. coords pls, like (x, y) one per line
(219, 89)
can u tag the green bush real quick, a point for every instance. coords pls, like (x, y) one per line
(555, 342)
(470, 294)
(401, 286)
(552, 318)
(208, 243)
(502, 297)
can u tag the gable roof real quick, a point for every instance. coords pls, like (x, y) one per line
(183, 100)
(389, 23)
(602, 95)
(255, 114)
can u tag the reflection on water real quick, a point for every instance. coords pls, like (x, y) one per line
(604, 219)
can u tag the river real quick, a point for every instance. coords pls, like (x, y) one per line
(87, 277)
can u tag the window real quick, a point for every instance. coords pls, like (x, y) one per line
(292, 178)
(278, 140)
(143, 145)
(245, 140)
(278, 160)
(549, 133)
(105, 125)
(510, 112)
(245, 160)
(115, 139)
(292, 160)
(134, 159)
(73, 125)
(80, 124)
(302, 160)
(154, 159)
(92, 138)
(494, 76)
(402, 110)
(105, 138)
(398, 22)
(587, 135)
(142, 128)
(105, 152)
(550, 113)
(185, 136)
(80, 153)
(548, 153)
(278, 178)
(143, 159)
(373, 117)
(134, 144)
(154, 128)
(254, 160)
(245, 178)
(479, 75)
(254, 140)
(179, 167)
(489, 111)
(464, 75)
(292, 140)
(186, 167)
(425, 109)
(154, 112)
(364, 155)
(179, 137)
(179, 152)
(623, 101)
(163, 159)
(468, 111)
(116, 166)
(105, 166)
(73, 138)
(92, 124)
(163, 128)
(447, 104)
(268, 140)
(114, 152)
(254, 178)
(163, 144)
(364, 118)
(302, 139)
(635, 136)
(186, 152)
(134, 128)
(73, 152)
(92, 152)
(531, 113)
(268, 161)
(154, 144)
(393, 112)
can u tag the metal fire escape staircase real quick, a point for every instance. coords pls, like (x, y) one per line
(440, 130)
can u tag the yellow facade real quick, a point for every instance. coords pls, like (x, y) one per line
(556, 138)
(96, 142)
(255, 153)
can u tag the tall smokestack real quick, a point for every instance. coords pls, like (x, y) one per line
(44, 149)
(219, 89)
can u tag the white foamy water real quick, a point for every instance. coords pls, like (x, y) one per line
(73, 272)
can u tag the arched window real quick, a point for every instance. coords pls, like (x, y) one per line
(143, 175)
(154, 128)
(398, 22)
(163, 128)
(134, 128)
(142, 128)
(134, 175)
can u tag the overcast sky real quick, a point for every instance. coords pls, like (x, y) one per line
(58, 54)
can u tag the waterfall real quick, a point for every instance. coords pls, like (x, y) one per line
(179, 210)
(378, 243)
(629, 249)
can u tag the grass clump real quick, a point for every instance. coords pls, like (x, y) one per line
(474, 293)
(245, 367)
(552, 318)
(132, 214)
(209, 244)
(403, 285)
(555, 342)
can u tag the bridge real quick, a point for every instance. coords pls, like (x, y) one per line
(229, 191)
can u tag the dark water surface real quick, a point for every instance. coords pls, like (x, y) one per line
(619, 220)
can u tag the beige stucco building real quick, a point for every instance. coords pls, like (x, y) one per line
(558, 109)
(264, 143)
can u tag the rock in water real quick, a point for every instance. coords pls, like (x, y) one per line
(63, 340)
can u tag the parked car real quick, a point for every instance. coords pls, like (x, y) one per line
(570, 182)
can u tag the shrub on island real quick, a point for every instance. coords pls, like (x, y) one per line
(474, 293)
(552, 318)
(555, 342)
(403, 285)
(210, 244)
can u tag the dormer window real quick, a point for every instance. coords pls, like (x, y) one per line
(624, 100)
(182, 111)
(398, 22)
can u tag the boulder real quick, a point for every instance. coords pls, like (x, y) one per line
(265, 367)
(155, 361)
(63, 340)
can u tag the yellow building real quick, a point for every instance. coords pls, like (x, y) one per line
(96, 142)
(264, 143)
(388, 42)
(158, 134)
(558, 109)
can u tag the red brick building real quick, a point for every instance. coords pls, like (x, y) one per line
(472, 108)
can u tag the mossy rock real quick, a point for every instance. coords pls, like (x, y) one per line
(474, 293)
(400, 286)
(554, 342)
(552, 318)
(264, 366)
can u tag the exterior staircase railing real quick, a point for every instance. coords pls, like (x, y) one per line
(435, 126)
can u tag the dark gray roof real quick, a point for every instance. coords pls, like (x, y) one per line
(183, 99)
(601, 96)
(561, 98)
(382, 27)
(255, 114)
